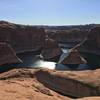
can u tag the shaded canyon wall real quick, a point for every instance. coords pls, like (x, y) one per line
(22, 38)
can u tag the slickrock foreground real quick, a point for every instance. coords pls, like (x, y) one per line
(40, 84)
(7, 55)
(90, 98)
(23, 85)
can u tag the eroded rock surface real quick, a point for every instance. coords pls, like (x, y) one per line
(91, 43)
(22, 37)
(51, 49)
(7, 54)
(72, 83)
(23, 85)
(73, 57)
(90, 98)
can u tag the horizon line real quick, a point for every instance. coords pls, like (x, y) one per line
(30, 24)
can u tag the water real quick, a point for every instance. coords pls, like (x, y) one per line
(93, 60)
(65, 50)
(35, 61)
(30, 60)
(67, 45)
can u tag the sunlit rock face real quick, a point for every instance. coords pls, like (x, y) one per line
(90, 98)
(22, 37)
(71, 83)
(91, 44)
(51, 49)
(7, 55)
(37, 83)
(22, 84)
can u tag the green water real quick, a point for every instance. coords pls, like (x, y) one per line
(31, 60)
(92, 59)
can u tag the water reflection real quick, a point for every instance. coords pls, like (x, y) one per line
(36, 61)
(45, 64)
(30, 60)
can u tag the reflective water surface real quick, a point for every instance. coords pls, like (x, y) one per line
(30, 60)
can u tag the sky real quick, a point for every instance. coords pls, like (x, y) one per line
(50, 12)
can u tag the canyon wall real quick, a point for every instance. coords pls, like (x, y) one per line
(72, 35)
(22, 37)
(91, 43)
(7, 55)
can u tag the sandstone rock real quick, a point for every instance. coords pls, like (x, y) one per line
(89, 48)
(91, 43)
(51, 49)
(7, 55)
(22, 38)
(90, 98)
(72, 57)
(22, 85)
(72, 83)
(73, 35)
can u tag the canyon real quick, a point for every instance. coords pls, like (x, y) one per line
(91, 43)
(40, 84)
(22, 38)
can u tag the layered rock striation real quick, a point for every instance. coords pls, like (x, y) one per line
(68, 83)
(73, 35)
(91, 44)
(22, 37)
(7, 55)
(51, 50)
(73, 57)
(22, 84)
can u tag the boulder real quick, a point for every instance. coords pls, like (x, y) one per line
(51, 50)
(22, 38)
(7, 55)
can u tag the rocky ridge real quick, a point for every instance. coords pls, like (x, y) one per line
(22, 37)
(46, 81)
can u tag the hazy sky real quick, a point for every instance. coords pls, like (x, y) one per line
(50, 12)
